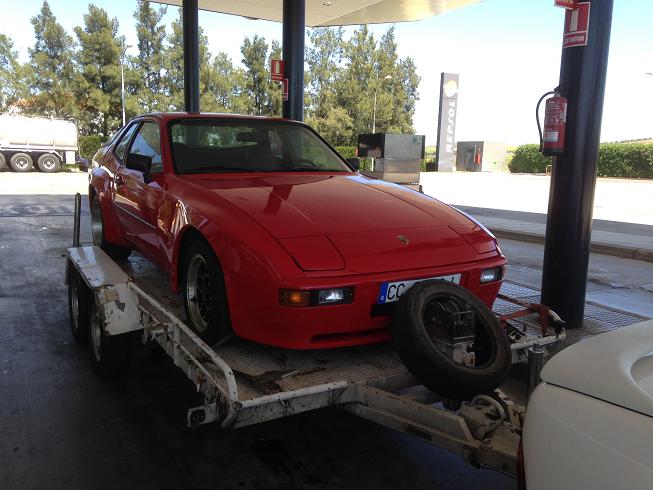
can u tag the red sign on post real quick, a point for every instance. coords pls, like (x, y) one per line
(576, 25)
(276, 70)
(284, 93)
(568, 4)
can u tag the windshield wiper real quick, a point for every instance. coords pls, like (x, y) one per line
(218, 169)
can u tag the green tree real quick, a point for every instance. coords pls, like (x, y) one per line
(149, 63)
(99, 59)
(323, 58)
(264, 95)
(175, 66)
(12, 84)
(52, 73)
(223, 87)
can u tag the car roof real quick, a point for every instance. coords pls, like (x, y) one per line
(616, 367)
(212, 115)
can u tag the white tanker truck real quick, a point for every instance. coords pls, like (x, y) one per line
(27, 143)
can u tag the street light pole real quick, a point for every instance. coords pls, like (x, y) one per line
(122, 81)
(376, 88)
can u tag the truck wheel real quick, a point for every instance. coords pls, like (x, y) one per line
(21, 162)
(49, 163)
(3, 161)
(79, 300)
(205, 295)
(116, 252)
(110, 355)
(424, 322)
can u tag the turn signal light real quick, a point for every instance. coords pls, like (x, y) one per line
(491, 275)
(293, 297)
(316, 297)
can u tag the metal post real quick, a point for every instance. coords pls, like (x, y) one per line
(122, 88)
(569, 221)
(77, 219)
(535, 362)
(294, 22)
(191, 56)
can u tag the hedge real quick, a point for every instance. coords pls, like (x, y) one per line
(633, 160)
(88, 145)
(346, 151)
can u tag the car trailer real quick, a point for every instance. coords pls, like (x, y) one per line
(244, 383)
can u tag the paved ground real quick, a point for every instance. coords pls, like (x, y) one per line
(62, 427)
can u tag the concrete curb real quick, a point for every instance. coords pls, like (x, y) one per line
(595, 247)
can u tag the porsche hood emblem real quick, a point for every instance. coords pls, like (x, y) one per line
(403, 239)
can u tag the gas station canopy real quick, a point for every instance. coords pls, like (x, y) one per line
(335, 12)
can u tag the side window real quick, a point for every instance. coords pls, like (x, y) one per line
(148, 143)
(121, 148)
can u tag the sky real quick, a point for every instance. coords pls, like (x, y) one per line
(507, 53)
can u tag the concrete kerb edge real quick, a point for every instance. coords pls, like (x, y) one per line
(595, 247)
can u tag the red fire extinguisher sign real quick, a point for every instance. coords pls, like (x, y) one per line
(555, 122)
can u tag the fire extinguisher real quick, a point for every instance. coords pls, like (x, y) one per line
(552, 137)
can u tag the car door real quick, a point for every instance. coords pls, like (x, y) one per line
(139, 194)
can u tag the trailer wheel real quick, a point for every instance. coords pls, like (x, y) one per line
(49, 163)
(21, 162)
(110, 355)
(205, 296)
(116, 252)
(3, 161)
(419, 324)
(79, 300)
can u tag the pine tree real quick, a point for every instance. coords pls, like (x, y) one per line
(264, 95)
(149, 64)
(12, 83)
(52, 67)
(99, 59)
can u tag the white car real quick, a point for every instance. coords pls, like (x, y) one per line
(589, 424)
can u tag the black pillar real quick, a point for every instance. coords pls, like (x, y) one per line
(569, 222)
(191, 56)
(294, 22)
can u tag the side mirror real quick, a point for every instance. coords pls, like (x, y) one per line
(354, 163)
(140, 163)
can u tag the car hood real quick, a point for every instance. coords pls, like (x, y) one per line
(362, 222)
(616, 367)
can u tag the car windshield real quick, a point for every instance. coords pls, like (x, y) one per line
(213, 146)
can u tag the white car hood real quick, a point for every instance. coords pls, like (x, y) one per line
(616, 367)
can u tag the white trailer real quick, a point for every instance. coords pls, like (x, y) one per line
(244, 383)
(26, 142)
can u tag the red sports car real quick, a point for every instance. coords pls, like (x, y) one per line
(269, 233)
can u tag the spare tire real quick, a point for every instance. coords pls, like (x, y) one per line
(419, 324)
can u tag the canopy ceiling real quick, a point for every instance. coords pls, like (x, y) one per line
(335, 12)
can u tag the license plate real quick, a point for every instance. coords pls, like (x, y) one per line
(392, 291)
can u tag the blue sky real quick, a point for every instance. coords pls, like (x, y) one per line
(507, 53)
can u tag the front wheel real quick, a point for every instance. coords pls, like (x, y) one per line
(116, 252)
(205, 296)
(450, 340)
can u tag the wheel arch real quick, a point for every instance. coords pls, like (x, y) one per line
(185, 237)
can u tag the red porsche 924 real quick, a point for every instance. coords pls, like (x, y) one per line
(268, 233)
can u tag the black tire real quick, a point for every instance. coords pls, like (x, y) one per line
(116, 252)
(205, 295)
(49, 163)
(21, 162)
(414, 319)
(79, 306)
(3, 161)
(110, 355)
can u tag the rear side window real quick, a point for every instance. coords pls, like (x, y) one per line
(121, 148)
(148, 143)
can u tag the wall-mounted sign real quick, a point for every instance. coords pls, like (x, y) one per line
(276, 70)
(284, 93)
(577, 23)
(447, 122)
(568, 4)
